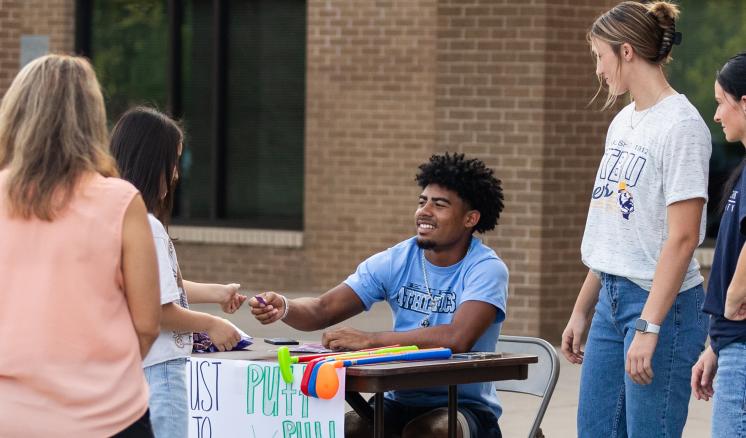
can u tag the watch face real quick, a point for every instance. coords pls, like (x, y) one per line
(641, 325)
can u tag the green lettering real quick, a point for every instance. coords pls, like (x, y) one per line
(271, 399)
(304, 406)
(332, 430)
(289, 392)
(253, 378)
(289, 429)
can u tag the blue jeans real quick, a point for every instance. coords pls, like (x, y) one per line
(729, 403)
(612, 405)
(169, 399)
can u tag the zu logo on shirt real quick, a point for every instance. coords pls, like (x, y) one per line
(618, 166)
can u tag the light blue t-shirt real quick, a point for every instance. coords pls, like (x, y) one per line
(395, 275)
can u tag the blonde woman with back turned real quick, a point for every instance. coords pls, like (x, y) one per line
(79, 302)
(644, 222)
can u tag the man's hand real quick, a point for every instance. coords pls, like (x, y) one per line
(572, 337)
(639, 363)
(703, 373)
(346, 338)
(230, 300)
(735, 307)
(223, 334)
(270, 310)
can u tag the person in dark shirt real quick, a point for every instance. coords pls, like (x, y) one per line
(726, 292)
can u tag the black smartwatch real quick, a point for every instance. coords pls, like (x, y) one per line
(646, 327)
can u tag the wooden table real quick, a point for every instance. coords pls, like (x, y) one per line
(413, 375)
(380, 378)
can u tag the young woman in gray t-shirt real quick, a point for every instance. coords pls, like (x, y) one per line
(645, 219)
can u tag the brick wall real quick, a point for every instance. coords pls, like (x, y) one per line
(514, 78)
(370, 122)
(10, 46)
(390, 82)
(573, 145)
(54, 18)
(490, 95)
(255, 268)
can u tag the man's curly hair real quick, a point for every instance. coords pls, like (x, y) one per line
(474, 182)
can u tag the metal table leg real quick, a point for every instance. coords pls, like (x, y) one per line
(378, 416)
(452, 410)
(359, 405)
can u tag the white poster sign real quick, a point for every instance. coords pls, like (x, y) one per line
(241, 398)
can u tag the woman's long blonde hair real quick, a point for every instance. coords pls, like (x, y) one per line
(52, 131)
(649, 28)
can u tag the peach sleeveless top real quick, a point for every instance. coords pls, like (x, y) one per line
(70, 362)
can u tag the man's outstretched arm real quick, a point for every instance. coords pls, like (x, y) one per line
(469, 322)
(308, 313)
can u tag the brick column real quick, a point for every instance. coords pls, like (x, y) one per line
(370, 122)
(514, 79)
(574, 141)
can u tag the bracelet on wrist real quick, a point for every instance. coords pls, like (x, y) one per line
(285, 305)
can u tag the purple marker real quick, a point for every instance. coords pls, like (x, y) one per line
(260, 299)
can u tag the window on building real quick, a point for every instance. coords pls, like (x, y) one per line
(233, 71)
(712, 33)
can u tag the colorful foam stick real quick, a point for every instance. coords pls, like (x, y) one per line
(325, 384)
(285, 360)
(308, 384)
(350, 354)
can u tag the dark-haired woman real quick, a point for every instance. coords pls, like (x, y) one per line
(644, 222)
(147, 145)
(726, 291)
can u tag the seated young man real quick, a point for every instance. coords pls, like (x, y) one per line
(445, 289)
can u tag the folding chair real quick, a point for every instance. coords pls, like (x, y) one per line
(542, 376)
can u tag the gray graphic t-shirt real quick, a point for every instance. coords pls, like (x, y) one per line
(652, 159)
